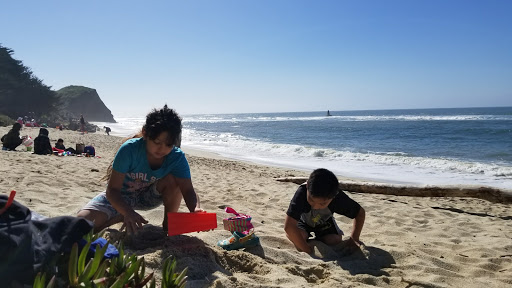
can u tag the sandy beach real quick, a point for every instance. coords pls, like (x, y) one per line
(408, 241)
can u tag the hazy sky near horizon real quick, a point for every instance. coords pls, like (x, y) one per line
(268, 56)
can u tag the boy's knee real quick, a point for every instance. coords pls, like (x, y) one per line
(331, 239)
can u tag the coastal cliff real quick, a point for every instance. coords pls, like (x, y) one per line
(23, 94)
(78, 100)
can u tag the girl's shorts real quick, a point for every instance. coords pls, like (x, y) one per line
(140, 200)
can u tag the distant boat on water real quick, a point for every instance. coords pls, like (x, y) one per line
(328, 113)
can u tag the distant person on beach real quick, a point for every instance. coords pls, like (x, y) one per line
(107, 130)
(82, 123)
(311, 211)
(60, 145)
(42, 144)
(12, 139)
(148, 170)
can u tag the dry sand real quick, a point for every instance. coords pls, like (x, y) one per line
(409, 241)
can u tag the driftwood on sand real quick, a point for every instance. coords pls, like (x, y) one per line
(486, 193)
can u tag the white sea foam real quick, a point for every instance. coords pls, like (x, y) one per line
(124, 127)
(379, 166)
(390, 167)
(242, 118)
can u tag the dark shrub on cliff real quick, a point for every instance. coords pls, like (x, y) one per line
(6, 121)
(21, 92)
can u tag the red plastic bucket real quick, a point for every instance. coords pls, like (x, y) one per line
(180, 223)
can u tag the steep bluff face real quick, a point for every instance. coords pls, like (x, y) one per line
(86, 101)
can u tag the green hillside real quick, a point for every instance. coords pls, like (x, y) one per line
(23, 94)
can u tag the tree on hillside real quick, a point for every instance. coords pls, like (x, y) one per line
(22, 92)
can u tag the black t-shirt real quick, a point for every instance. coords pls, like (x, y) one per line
(300, 209)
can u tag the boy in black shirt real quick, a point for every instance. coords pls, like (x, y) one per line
(311, 211)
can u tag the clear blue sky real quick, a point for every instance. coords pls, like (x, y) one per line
(268, 56)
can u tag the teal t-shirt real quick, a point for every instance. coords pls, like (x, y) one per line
(131, 160)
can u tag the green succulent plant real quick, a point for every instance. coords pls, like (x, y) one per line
(40, 281)
(171, 278)
(119, 272)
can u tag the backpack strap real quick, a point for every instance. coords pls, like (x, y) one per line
(9, 202)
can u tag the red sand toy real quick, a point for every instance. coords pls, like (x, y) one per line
(180, 223)
(9, 202)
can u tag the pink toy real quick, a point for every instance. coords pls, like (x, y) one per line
(240, 222)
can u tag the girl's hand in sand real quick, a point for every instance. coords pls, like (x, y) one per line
(133, 222)
(199, 210)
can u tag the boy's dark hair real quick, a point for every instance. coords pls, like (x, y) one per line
(60, 140)
(163, 120)
(323, 183)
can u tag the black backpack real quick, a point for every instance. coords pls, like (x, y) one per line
(27, 246)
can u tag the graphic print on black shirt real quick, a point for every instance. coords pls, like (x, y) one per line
(300, 209)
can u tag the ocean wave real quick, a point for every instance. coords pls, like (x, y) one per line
(241, 118)
(351, 161)
(236, 145)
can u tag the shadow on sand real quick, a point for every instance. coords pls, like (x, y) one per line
(203, 261)
(363, 260)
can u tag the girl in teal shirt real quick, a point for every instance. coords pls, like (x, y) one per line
(146, 172)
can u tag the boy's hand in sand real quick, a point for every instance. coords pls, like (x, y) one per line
(350, 246)
(353, 243)
(133, 222)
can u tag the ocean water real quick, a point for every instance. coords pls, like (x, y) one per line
(461, 146)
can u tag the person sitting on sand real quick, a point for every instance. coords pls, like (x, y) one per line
(42, 144)
(311, 210)
(148, 170)
(60, 145)
(12, 139)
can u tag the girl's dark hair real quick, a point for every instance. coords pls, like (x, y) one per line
(323, 183)
(163, 120)
(157, 121)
